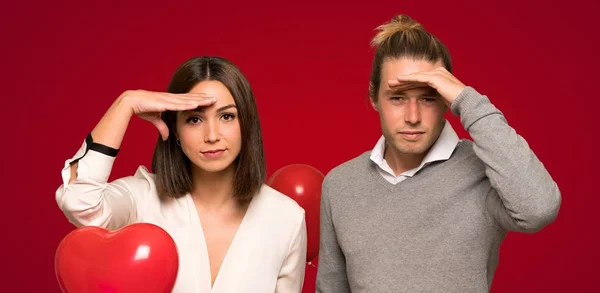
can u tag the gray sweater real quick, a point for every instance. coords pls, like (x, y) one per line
(440, 230)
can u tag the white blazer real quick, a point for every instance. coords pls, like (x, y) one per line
(267, 254)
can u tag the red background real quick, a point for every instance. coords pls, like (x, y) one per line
(309, 64)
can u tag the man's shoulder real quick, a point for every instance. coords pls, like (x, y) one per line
(348, 169)
(465, 148)
(464, 156)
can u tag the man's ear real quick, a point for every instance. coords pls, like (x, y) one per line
(372, 97)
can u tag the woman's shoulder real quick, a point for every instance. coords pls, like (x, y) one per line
(282, 201)
(144, 174)
(278, 204)
(142, 181)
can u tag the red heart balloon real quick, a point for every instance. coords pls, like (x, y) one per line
(303, 184)
(139, 257)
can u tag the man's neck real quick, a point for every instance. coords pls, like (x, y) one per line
(402, 162)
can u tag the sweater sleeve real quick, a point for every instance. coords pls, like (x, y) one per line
(524, 198)
(331, 273)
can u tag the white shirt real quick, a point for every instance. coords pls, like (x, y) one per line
(267, 254)
(440, 150)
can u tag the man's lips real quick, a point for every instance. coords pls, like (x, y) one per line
(411, 135)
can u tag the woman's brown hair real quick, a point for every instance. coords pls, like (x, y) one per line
(170, 165)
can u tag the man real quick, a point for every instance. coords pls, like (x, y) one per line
(424, 211)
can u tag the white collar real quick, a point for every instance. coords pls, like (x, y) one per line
(440, 150)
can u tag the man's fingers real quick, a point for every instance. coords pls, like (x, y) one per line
(403, 86)
(415, 77)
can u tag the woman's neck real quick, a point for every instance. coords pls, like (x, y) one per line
(213, 190)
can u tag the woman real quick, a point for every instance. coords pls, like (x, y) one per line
(233, 232)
